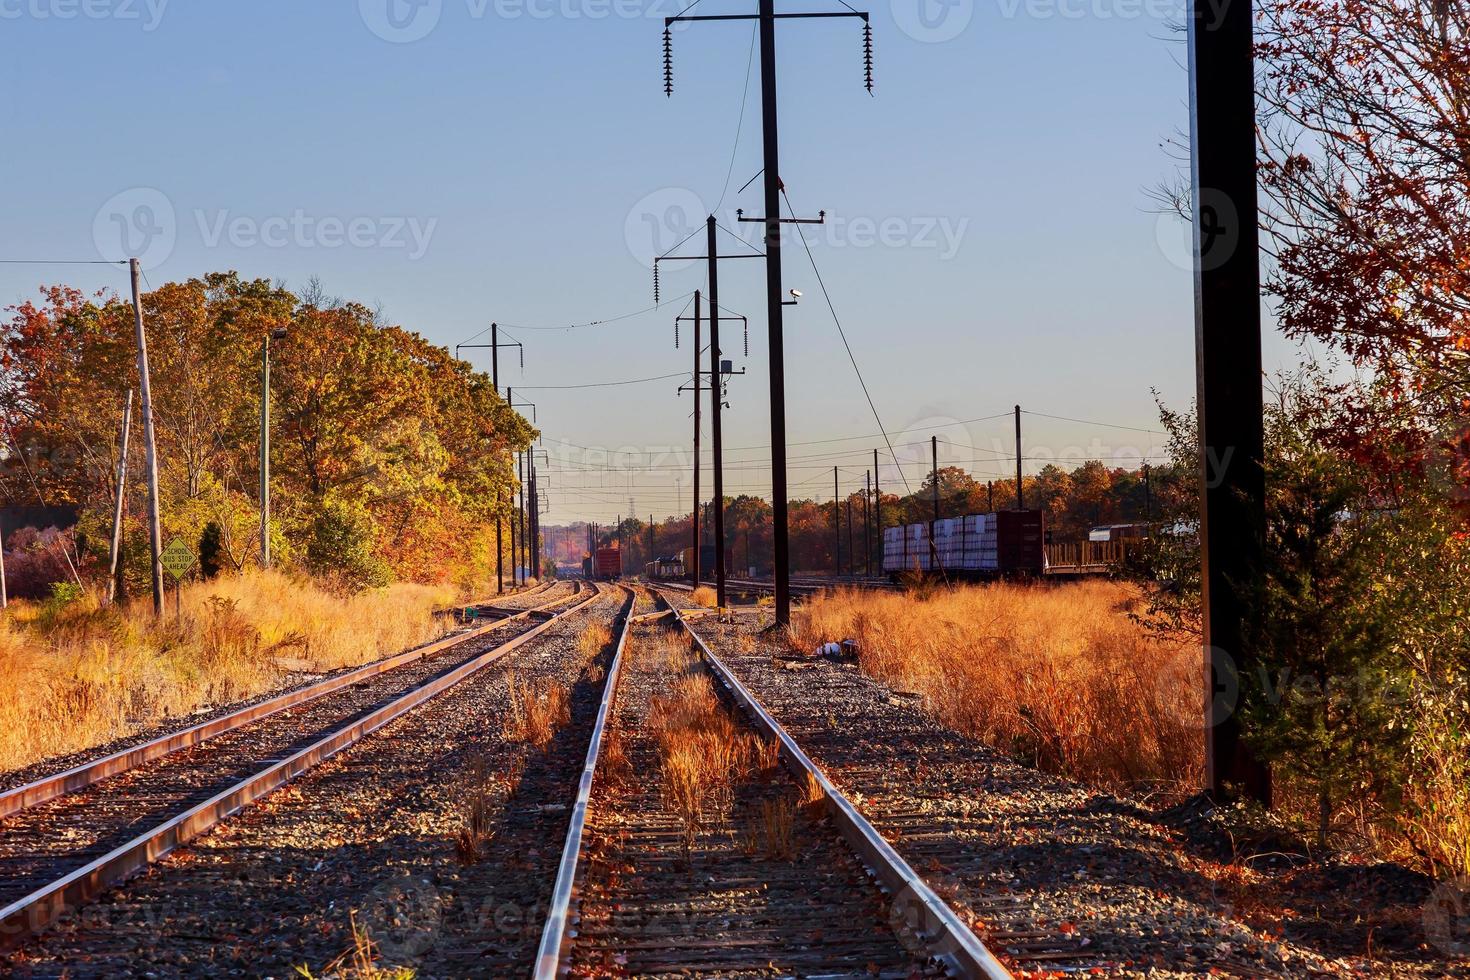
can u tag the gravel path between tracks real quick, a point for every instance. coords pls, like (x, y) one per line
(735, 907)
(372, 831)
(290, 681)
(1065, 877)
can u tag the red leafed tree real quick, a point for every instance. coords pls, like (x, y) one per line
(1365, 152)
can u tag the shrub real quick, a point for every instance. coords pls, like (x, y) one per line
(340, 545)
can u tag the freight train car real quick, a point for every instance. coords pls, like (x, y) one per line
(1010, 542)
(665, 569)
(706, 561)
(607, 564)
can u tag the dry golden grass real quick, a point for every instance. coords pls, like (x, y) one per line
(705, 596)
(538, 709)
(360, 961)
(81, 675)
(594, 640)
(1059, 676)
(701, 748)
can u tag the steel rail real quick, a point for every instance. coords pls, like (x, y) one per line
(79, 777)
(556, 934)
(947, 937)
(27, 916)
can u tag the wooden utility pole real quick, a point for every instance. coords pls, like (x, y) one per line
(1227, 318)
(1020, 500)
(114, 552)
(717, 396)
(836, 528)
(150, 446)
(878, 509)
(694, 512)
(867, 528)
(771, 173)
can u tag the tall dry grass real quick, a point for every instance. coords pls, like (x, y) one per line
(79, 675)
(1059, 676)
(702, 751)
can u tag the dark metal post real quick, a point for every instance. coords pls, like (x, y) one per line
(694, 512)
(1020, 500)
(990, 494)
(1147, 498)
(717, 395)
(836, 528)
(521, 475)
(1227, 317)
(934, 469)
(851, 568)
(495, 356)
(867, 527)
(878, 509)
(499, 545)
(774, 326)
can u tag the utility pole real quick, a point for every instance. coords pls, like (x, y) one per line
(878, 509)
(265, 444)
(1020, 501)
(990, 494)
(1147, 501)
(524, 561)
(499, 544)
(934, 522)
(851, 568)
(766, 16)
(150, 446)
(534, 559)
(114, 557)
(717, 396)
(513, 551)
(836, 528)
(867, 528)
(694, 513)
(1227, 318)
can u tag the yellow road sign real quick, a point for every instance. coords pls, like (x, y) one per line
(177, 559)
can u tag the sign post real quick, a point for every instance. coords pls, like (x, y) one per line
(177, 559)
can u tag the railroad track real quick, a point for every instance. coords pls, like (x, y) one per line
(799, 587)
(792, 880)
(67, 838)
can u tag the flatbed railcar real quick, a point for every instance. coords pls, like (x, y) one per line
(1008, 543)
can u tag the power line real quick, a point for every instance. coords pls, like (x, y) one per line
(602, 384)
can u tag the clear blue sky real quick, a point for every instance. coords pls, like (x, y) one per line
(990, 240)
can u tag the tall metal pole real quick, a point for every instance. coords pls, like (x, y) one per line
(694, 512)
(1020, 500)
(265, 451)
(499, 544)
(114, 555)
(150, 446)
(774, 326)
(836, 528)
(535, 554)
(525, 544)
(1227, 317)
(990, 495)
(878, 509)
(495, 356)
(934, 471)
(512, 523)
(851, 568)
(717, 396)
(867, 528)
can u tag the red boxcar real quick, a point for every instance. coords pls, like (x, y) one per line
(609, 564)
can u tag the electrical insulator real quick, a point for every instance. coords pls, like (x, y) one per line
(868, 57)
(668, 63)
(747, 338)
(676, 334)
(655, 283)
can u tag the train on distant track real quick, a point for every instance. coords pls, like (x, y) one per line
(1000, 544)
(665, 569)
(604, 564)
(681, 566)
